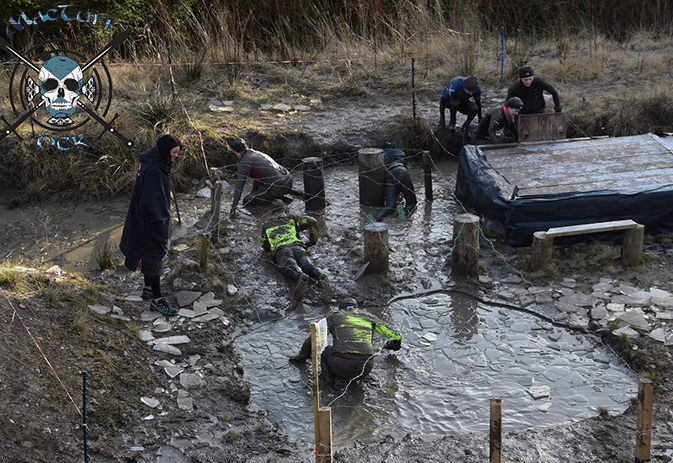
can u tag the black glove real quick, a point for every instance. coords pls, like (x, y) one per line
(297, 359)
(558, 109)
(393, 345)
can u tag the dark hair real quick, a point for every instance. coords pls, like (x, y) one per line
(471, 84)
(238, 145)
(164, 146)
(514, 102)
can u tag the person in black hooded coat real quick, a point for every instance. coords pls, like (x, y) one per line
(144, 241)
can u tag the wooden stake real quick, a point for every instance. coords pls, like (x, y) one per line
(314, 183)
(203, 263)
(324, 447)
(541, 250)
(217, 207)
(465, 256)
(644, 421)
(427, 170)
(632, 247)
(376, 248)
(496, 430)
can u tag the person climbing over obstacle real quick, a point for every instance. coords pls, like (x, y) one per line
(501, 118)
(271, 180)
(351, 355)
(456, 96)
(397, 180)
(530, 89)
(280, 235)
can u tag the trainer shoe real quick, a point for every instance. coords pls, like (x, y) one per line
(300, 289)
(324, 291)
(162, 307)
(148, 294)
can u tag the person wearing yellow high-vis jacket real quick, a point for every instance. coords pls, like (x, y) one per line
(351, 355)
(280, 235)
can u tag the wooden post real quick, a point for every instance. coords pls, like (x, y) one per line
(465, 256)
(322, 416)
(541, 250)
(216, 210)
(376, 248)
(644, 421)
(371, 176)
(496, 430)
(203, 263)
(632, 248)
(314, 183)
(427, 170)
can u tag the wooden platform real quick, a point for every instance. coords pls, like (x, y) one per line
(522, 188)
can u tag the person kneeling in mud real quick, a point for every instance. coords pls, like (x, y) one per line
(280, 235)
(351, 355)
(500, 118)
(397, 180)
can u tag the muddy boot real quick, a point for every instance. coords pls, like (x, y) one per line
(300, 288)
(323, 290)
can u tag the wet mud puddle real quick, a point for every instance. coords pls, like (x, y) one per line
(456, 354)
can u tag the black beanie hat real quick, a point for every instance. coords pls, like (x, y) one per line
(165, 144)
(514, 102)
(525, 71)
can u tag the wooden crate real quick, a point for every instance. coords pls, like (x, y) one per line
(540, 127)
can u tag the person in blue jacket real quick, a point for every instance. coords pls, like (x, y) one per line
(144, 240)
(457, 95)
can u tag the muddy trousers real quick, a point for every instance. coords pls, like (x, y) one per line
(466, 107)
(262, 194)
(345, 365)
(397, 180)
(294, 261)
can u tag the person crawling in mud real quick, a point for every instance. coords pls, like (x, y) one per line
(501, 118)
(397, 181)
(280, 235)
(351, 355)
(271, 180)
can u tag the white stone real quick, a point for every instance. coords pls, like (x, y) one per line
(432, 337)
(180, 339)
(185, 298)
(185, 403)
(162, 327)
(188, 313)
(190, 380)
(209, 299)
(301, 107)
(199, 308)
(133, 298)
(626, 331)
(167, 348)
(231, 290)
(658, 334)
(203, 193)
(661, 298)
(173, 371)
(635, 319)
(100, 309)
(150, 402)
(265, 106)
(599, 312)
(282, 107)
(145, 335)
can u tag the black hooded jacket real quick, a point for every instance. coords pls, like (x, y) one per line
(145, 235)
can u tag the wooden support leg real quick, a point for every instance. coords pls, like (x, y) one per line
(465, 256)
(632, 249)
(541, 251)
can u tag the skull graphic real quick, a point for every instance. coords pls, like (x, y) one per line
(61, 86)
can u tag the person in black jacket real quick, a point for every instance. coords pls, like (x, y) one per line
(530, 89)
(144, 241)
(397, 180)
(499, 118)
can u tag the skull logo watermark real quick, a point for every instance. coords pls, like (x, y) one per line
(61, 87)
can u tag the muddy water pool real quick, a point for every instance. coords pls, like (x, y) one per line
(456, 353)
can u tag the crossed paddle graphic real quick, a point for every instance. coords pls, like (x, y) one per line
(114, 43)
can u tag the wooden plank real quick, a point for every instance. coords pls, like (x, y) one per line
(537, 127)
(591, 228)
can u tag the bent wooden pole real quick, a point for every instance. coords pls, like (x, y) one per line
(314, 184)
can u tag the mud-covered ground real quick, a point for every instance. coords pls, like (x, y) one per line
(42, 424)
